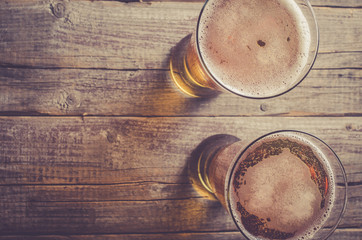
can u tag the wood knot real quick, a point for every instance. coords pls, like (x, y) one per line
(58, 10)
(353, 128)
(66, 100)
(264, 107)
(111, 137)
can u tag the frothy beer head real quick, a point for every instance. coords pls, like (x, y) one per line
(282, 187)
(254, 48)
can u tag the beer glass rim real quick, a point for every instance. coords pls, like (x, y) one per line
(297, 82)
(240, 154)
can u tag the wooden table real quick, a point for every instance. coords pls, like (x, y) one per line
(95, 139)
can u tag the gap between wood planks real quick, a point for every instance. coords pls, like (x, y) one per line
(150, 1)
(84, 116)
(19, 66)
(344, 229)
(332, 6)
(13, 66)
(350, 184)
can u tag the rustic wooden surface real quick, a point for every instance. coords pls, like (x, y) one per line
(95, 139)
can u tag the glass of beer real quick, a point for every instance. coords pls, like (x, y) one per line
(283, 185)
(252, 48)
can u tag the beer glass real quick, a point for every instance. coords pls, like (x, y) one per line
(252, 48)
(283, 185)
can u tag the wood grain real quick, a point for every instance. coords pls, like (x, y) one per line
(62, 209)
(104, 150)
(116, 35)
(152, 93)
(100, 175)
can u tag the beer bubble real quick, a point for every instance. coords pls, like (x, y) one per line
(261, 43)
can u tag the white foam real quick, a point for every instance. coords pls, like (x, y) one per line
(260, 49)
(294, 199)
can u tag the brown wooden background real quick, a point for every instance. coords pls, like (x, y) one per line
(95, 139)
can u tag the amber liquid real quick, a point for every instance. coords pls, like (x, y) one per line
(187, 71)
(219, 168)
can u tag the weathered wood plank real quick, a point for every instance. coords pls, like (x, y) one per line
(101, 209)
(39, 214)
(52, 150)
(339, 60)
(114, 217)
(152, 92)
(132, 35)
(117, 216)
(103, 174)
(339, 234)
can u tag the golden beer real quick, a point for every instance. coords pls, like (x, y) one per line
(187, 72)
